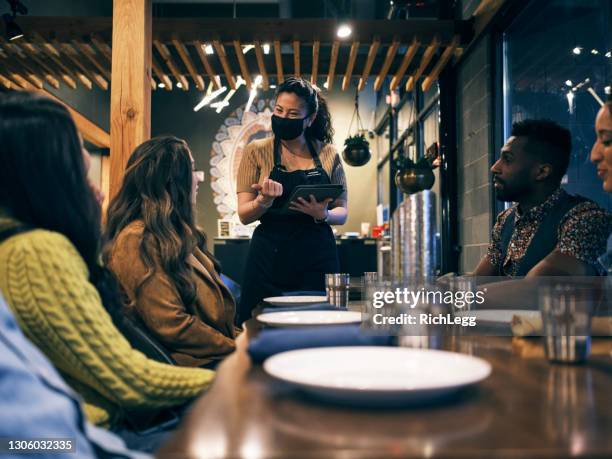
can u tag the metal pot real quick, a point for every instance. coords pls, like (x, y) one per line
(413, 180)
(357, 155)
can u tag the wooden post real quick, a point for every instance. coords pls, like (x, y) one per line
(130, 123)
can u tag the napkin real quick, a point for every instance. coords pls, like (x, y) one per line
(304, 293)
(310, 307)
(275, 341)
(531, 325)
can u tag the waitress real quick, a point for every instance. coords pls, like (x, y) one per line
(290, 252)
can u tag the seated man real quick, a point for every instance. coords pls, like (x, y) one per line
(548, 232)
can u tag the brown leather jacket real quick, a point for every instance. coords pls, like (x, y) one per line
(194, 337)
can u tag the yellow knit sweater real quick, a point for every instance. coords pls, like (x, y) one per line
(45, 282)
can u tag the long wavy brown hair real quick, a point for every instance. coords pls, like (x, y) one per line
(156, 190)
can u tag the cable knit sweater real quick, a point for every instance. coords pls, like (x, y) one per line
(45, 281)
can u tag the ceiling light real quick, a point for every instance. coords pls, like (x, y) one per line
(325, 85)
(608, 54)
(344, 30)
(208, 49)
(247, 48)
(13, 31)
(258, 80)
(577, 50)
(161, 85)
(179, 85)
(272, 86)
(594, 51)
(569, 83)
(266, 48)
(209, 98)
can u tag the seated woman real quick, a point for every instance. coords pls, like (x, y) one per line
(49, 271)
(159, 257)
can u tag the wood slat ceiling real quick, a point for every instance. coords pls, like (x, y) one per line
(76, 52)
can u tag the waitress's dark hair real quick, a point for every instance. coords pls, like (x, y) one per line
(321, 129)
(43, 182)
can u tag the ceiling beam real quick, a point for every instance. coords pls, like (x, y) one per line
(164, 52)
(220, 50)
(332, 64)
(265, 82)
(435, 73)
(18, 59)
(278, 57)
(346, 81)
(104, 48)
(315, 61)
(184, 55)
(391, 51)
(425, 60)
(89, 53)
(244, 69)
(296, 58)
(54, 55)
(406, 61)
(165, 79)
(199, 46)
(368, 65)
(31, 50)
(70, 53)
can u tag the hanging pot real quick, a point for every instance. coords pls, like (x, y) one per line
(357, 154)
(413, 179)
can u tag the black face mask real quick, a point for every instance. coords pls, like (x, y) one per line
(287, 128)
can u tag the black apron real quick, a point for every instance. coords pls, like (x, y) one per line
(288, 252)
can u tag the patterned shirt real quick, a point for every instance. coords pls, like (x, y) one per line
(582, 233)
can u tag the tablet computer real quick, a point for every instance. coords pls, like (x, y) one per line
(320, 193)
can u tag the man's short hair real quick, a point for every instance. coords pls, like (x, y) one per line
(548, 141)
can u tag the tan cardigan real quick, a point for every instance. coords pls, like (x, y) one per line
(193, 337)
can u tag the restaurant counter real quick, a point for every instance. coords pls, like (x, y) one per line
(357, 255)
(526, 408)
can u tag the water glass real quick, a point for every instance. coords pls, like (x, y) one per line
(337, 286)
(566, 319)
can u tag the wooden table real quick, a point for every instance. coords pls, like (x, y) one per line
(527, 408)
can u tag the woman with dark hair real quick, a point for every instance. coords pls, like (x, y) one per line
(170, 281)
(49, 271)
(290, 252)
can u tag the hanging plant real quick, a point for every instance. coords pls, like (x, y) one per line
(413, 177)
(356, 148)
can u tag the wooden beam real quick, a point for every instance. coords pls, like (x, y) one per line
(484, 14)
(130, 84)
(265, 83)
(63, 75)
(19, 63)
(278, 57)
(346, 81)
(69, 51)
(52, 53)
(102, 47)
(8, 84)
(165, 79)
(105, 181)
(315, 61)
(184, 55)
(386, 65)
(435, 73)
(406, 61)
(89, 52)
(220, 50)
(296, 58)
(244, 69)
(90, 131)
(199, 46)
(368, 65)
(332, 64)
(50, 74)
(425, 60)
(164, 52)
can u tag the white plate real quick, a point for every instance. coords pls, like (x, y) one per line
(377, 375)
(499, 316)
(295, 300)
(306, 318)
